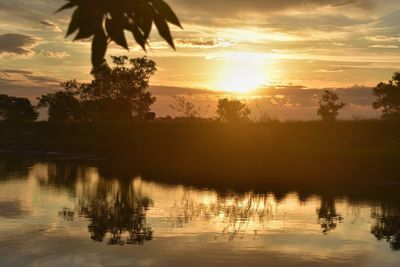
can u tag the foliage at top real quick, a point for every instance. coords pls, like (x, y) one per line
(117, 93)
(106, 21)
(388, 95)
(232, 110)
(329, 106)
(16, 109)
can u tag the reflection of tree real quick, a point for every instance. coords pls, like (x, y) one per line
(63, 175)
(12, 167)
(235, 213)
(387, 226)
(118, 213)
(115, 208)
(327, 216)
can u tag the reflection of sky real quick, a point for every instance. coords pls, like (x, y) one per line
(190, 226)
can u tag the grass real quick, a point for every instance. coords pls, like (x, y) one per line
(211, 154)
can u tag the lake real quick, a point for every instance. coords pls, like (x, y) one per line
(66, 213)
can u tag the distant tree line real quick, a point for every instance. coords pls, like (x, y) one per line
(119, 93)
(17, 109)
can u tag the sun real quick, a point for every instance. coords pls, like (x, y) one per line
(241, 77)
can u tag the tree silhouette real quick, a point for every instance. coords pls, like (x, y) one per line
(329, 106)
(17, 109)
(232, 110)
(184, 107)
(116, 93)
(106, 21)
(62, 105)
(388, 95)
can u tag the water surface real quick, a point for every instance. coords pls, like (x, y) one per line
(68, 214)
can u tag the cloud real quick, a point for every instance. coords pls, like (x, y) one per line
(234, 8)
(27, 77)
(203, 42)
(328, 70)
(384, 46)
(53, 54)
(19, 44)
(49, 24)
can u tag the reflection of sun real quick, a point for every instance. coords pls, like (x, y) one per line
(242, 78)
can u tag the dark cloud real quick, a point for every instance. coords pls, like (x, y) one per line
(20, 44)
(23, 83)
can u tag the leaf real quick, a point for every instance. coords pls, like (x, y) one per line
(90, 21)
(99, 48)
(139, 37)
(71, 4)
(145, 20)
(116, 32)
(74, 24)
(163, 29)
(165, 11)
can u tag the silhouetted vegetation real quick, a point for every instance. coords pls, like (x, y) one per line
(106, 21)
(329, 106)
(16, 109)
(184, 108)
(275, 150)
(118, 93)
(232, 110)
(388, 95)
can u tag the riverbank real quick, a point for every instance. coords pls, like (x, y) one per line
(218, 154)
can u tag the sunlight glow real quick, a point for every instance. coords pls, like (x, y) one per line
(242, 77)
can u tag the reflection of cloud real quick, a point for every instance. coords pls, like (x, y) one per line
(12, 209)
(49, 24)
(20, 44)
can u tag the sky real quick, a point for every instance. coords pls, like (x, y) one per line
(276, 54)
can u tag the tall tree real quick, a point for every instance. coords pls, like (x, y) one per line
(119, 92)
(17, 109)
(106, 21)
(232, 110)
(116, 93)
(329, 106)
(388, 95)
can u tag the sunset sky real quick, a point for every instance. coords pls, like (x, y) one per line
(226, 45)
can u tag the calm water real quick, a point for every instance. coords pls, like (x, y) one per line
(65, 214)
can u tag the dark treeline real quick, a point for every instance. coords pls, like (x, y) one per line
(267, 151)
